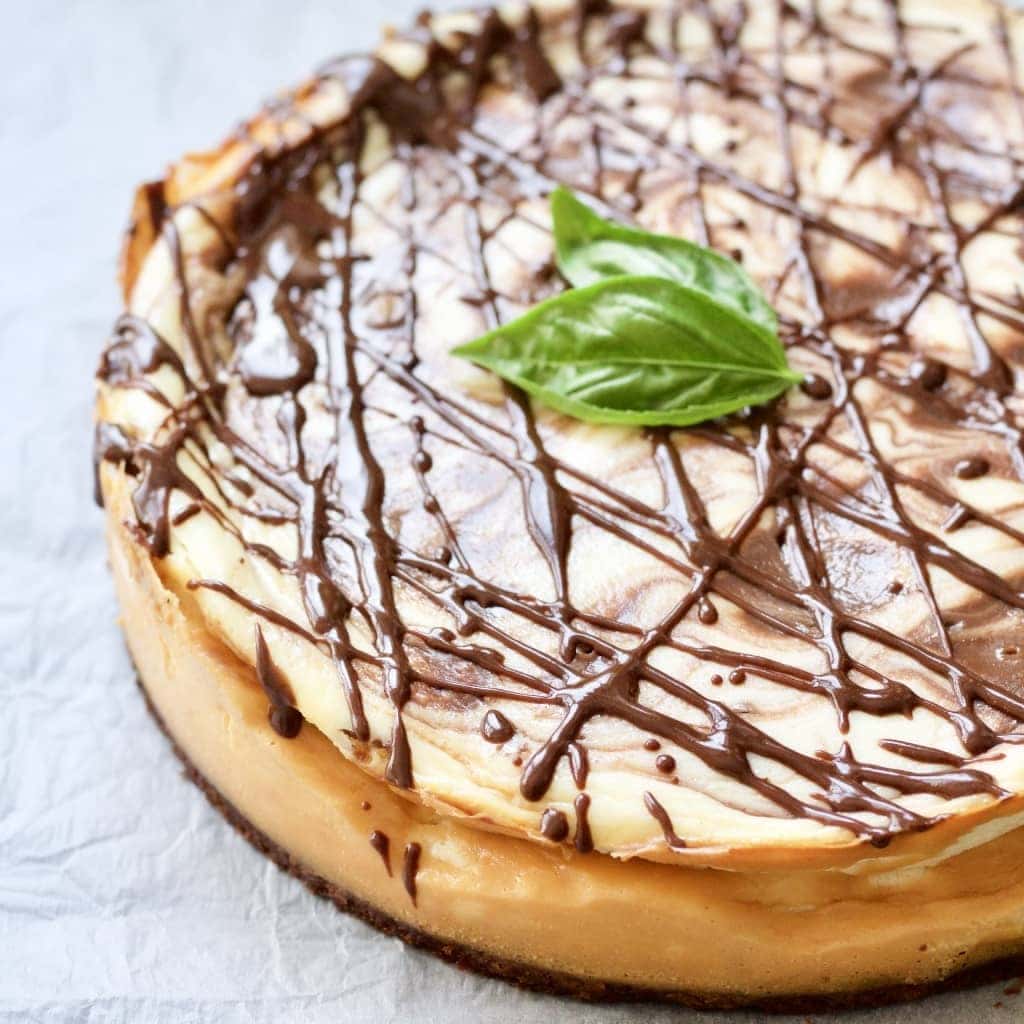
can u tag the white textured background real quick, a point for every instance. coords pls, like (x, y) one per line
(123, 896)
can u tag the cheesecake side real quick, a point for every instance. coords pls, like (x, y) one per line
(584, 924)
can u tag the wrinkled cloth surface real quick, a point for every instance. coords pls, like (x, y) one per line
(123, 895)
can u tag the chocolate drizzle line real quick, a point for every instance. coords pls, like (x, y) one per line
(352, 562)
(285, 718)
(583, 840)
(660, 815)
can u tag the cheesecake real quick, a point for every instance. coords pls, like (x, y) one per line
(728, 714)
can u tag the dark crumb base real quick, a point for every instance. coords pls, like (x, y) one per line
(556, 983)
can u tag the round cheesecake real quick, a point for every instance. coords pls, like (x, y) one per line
(729, 714)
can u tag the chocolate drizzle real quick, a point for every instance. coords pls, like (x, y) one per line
(660, 815)
(158, 472)
(133, 351)
(309, 349)
(579, 763)
(583, 841)
(285, 718)
(817, 387)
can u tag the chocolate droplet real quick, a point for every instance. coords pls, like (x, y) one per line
(707, 612)
(286, 721)
(971, 469)
(496, 728)
(584, 842)
(554, 825)
(410, 867)
(817, 387)
(930, 374)
(665, 763)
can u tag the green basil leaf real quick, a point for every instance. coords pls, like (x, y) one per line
(637, 350)
(590, 248)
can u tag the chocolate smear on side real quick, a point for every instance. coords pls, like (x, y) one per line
(410, 868)
(285, 718)
(382, 844)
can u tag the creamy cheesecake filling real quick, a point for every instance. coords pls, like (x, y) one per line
(799, 628)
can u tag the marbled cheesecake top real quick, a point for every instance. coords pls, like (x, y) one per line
(798, 627)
